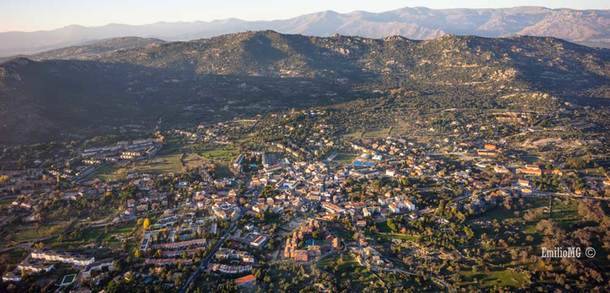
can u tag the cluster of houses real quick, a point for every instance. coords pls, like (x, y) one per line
(230, 261)
(122, 150)
(308, 242)
(369, 257)
(25, 181)
(43, 261)
(289, 185)
(175, 238)
(229, 269)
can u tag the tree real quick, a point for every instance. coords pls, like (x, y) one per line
(469, 233)
(39, 245)
(391, 225)
(146, 223)
(113, 287)
(440, 210)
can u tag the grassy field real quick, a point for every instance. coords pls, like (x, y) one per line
(346, 267)
(564, 214)
(345, 158)
(502, 278)
(192, 161)
(220, 154)
(107, 172)
(353, 135)
(369, 133)
(31, 233)
(173, 145)
(169, 163)
(98, 235)
(123, 229)
(384, 234)
(166, 161)
(377, 133)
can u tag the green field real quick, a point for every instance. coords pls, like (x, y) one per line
(565, 212)
(501, 275)
(346, 267)
(169, 163)
(99, 235)
(166, 161)
(192, 160)
(377, 133)
(30, 233)
(220, 153)
(502, 278)
(353, 135)
(106, 172)
(345, 157)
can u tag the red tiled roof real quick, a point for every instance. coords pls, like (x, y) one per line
(245, 279)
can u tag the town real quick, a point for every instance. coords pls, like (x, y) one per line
(263, 203)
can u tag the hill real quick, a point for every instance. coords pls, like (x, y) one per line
(591, 27)
(91, 50)
(254, 72)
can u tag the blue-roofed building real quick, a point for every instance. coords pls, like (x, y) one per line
(363, 164)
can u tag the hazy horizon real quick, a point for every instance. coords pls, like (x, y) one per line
(37, 15)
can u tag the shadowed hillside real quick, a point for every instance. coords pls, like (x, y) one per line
(254, 72)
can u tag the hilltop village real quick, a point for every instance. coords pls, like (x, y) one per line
(308, 199)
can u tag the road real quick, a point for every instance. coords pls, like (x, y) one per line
(206, 261)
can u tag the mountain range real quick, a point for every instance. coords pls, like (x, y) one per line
(589, 27)
(109, 86)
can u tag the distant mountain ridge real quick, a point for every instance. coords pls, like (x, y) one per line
(250, 73)
(92, 50)
(590, 27)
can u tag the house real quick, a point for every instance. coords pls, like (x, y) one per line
(523, 183)
(490, 147)
(409, 205)
(487, 153)
(366, 212)
(530, 170)
(34, 267)
(300, 255)
(394, 208)
(237, 164)
(11, 277)
(501, 169)
(259, 241)
(332, 208)
(62, 257)
(129, 155)
(336, 243)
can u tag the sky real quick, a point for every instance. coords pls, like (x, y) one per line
(32, 15)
